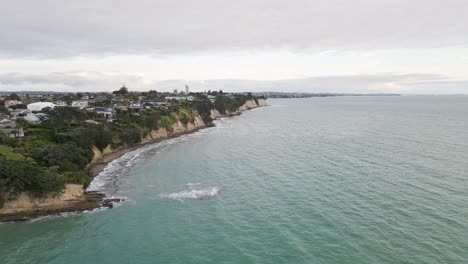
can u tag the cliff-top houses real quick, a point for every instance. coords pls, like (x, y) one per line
(100, 106)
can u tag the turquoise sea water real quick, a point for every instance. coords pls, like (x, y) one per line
(320, 180)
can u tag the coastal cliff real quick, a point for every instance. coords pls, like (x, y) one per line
(102, 158)
(26, 207)
(75, 198)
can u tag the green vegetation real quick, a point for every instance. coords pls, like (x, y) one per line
(17, 176)
(8, 153)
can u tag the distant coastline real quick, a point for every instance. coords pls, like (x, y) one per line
(308, 95)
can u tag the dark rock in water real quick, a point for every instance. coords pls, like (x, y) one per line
(93, 200)
(109, 202)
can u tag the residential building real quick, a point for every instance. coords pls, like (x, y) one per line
(9, 103)
(10, 130)
(180, 98)
(80, 104)
(104, 112)
(60, 103)
(39, 106)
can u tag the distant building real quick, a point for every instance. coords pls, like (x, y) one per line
(4, 119)
(136, 106)
(9, 103)
(180, 98)
(121, 107)
(18, 113)
(105, 112)
(60, 103)
(39, 106)
(80, 104)
(186, 89)
(158, 104)
(212, 98)
(175, 91)
(10, 130)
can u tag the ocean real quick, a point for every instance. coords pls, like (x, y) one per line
(317, 180)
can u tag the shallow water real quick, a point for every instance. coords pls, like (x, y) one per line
(320, 180)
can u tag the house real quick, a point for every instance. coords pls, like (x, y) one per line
(10, 130)
(60, 103)
(39, 106)
(35, 118)
(121, 107)
(212, 98)
(136, 106)
(18, 113)
(9, 103)
(91, 102)
(4, 119)
(104, 112)
(180, 98)
(159, 104)
(32, 118)
(80, 104)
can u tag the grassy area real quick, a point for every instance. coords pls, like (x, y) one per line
(41, 133)
(6, 151)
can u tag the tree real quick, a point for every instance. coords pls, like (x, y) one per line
(130, 136)
(68, 99)
(14, 96)
(21, 124)
(20, 176)
(3, 110)
(64, 116)
(102, 137)
(68, 156)
(121, 91)
(150, 122)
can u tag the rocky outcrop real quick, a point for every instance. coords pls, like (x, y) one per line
(73, 198)
(249, 104)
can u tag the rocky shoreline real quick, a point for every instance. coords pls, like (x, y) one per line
(90, 200)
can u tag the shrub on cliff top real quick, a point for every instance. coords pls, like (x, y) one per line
(78, 177)
(17, 177)
(68, 156)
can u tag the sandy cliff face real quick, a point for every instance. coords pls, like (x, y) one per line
(176, 128)
(250, 104)
(73, 193)
(215, 114)
(262, 102)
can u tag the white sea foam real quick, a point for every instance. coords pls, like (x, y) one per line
(107, 181)
(191, 193)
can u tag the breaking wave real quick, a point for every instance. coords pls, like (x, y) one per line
(191, 193)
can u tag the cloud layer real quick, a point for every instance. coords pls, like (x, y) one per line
(376, 83)
(332, 45)
(68, 28)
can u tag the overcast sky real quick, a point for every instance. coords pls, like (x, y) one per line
(359, 46)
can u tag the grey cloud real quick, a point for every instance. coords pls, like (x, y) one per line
(372, 83)
(69, 28)
(68, 81)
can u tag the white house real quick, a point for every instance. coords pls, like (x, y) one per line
(80, 104)
(61, 103)
(10, 130)
(180, 98)
(212, 98)
(39, 106)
